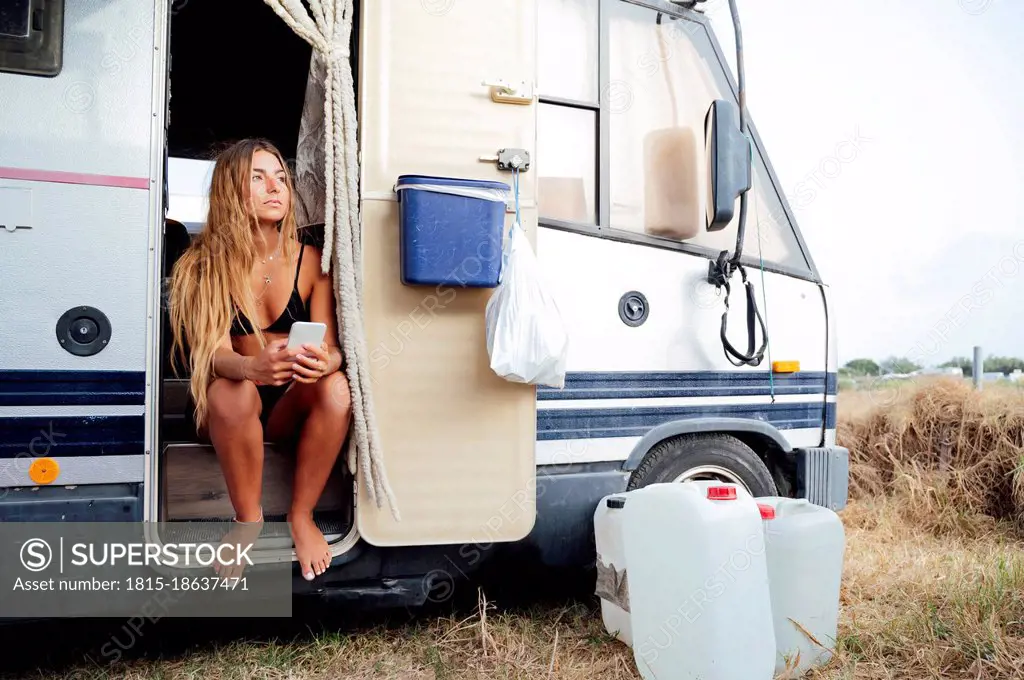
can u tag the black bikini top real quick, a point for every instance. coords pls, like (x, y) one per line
(296, 310)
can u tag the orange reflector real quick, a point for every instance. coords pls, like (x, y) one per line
(767, 511)
(785, 366)
(43, 470)
(722, 493)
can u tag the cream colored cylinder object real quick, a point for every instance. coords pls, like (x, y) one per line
(671, 184)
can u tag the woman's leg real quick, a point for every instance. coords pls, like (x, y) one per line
(235, 431)
(323, 411)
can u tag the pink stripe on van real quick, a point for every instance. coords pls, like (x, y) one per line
(30, 175)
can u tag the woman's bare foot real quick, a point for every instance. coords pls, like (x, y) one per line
(241, 537)
(310, 545)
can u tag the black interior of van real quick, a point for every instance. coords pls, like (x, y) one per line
(237, 70)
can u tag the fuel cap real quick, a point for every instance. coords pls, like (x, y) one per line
(83, 331)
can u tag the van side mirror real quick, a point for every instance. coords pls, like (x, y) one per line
(727, 152)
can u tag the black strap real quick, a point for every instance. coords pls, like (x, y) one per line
(721, 273)
(298, 267)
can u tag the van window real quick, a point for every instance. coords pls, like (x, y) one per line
(660, 76)
(32, 37)
(567, 163)
(567, 49)
(662, 91)
(567, 117)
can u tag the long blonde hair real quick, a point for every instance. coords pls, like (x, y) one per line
(211, 279)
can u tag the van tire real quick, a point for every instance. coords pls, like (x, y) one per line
(671, 458)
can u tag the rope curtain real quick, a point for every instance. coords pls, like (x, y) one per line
(328, 31)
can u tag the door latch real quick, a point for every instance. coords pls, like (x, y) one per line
(505, 92)
(510, 159)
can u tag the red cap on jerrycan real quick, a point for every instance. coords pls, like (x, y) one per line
(767, 511)
(722, 493)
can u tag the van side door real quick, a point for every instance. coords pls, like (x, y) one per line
(458, 441)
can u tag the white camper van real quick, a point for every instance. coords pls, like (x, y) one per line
(621, 116)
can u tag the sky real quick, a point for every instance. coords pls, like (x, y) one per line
(917, 228)
(892, 127)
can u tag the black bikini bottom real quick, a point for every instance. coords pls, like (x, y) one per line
(269, 396)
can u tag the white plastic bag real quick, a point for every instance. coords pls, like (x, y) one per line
(526, 338)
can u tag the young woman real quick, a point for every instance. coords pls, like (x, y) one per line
(234, 296)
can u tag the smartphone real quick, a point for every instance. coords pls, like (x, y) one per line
(306, 333)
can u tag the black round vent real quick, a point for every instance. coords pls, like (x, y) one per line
(633, 308)
(83, 331)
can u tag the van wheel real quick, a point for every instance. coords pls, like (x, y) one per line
(718, 457)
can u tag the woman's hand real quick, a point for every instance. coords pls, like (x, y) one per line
(312, 363)
(273, 366)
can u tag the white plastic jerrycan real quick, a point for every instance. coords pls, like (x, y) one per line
(804, 544)
(699, 601)
(611, 584)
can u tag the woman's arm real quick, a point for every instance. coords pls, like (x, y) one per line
(227, 363)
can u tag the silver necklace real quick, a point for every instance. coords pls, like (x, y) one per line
(277, 251)
(267, 278)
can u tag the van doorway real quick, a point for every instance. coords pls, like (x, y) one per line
(235, 71)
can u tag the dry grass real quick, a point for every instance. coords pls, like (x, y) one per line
(563, 642)
(919, 606)
(933, 584)
(954, 456)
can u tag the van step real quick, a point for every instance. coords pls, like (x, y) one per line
(330, 523)
(192, 484)
(174, 399)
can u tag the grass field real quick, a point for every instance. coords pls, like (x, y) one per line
(933, 584)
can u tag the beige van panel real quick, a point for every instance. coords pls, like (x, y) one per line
(458, 441)
(424, 109)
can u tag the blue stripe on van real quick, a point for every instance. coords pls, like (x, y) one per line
(592, 423)
(831, 416)
(72, 436)
(631, 385)
(72, 388)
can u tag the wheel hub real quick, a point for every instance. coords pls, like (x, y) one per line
(710, 473)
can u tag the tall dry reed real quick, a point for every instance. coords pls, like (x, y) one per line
(955, 455)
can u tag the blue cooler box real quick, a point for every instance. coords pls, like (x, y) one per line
(450, 230)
